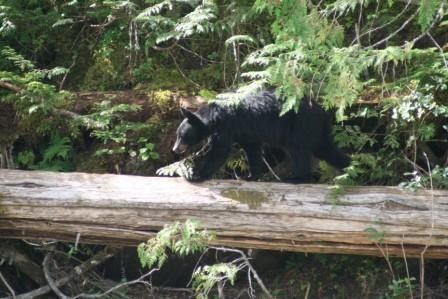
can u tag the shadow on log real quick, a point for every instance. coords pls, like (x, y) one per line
(126, 210)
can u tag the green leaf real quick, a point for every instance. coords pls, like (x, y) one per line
(375, 235)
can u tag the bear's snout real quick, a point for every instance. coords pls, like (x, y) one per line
(179, 147)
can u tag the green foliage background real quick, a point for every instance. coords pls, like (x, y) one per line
(380, 66)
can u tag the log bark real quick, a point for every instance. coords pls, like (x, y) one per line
(126, 210)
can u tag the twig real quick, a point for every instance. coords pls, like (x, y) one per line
(120, 285)
(405, 23)
(61, 85)
(196, 54)
(415, 146)
(241, 293)
(308, 289)
(180, 70)
(220, 286)
(270, 169)
(6, 158)
(434, 21)
(49, 279)
(442, 54)
(251, 290)
(9, 155)
(197, 265)
(407, 268)
(249, 266)
(386, 257)
(10, 289)
(416, 166)
(370, 31)
(109, 20)
(43, 243)
(428, 243)
(236, 54)
(78, 236)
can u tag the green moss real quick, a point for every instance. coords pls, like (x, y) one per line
(208, 95)
(163, 99)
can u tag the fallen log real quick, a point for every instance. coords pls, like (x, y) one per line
(126, 210)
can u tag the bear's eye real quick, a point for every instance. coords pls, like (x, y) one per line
(190, 137)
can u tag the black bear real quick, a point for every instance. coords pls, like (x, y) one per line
(256, 121)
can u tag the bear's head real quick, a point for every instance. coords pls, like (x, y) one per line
(191, 131)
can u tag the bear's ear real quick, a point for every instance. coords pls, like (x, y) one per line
(192, 118)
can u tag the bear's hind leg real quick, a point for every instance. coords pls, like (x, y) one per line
(301, 159)
(254, 159)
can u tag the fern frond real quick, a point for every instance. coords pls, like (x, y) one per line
(63, 22)
(256, 60)
(155, 21)
(156, 9)
(57, 71)
(427, 11)
(16, 58)
(59, 147)
(197, 21)
(342, 7)
(164, 37)
(240, 39)
(255, 75)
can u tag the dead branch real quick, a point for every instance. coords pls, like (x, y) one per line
(88, 265)
(25, 265)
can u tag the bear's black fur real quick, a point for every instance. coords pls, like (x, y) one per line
(253, 122)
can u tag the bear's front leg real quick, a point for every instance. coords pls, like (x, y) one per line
(214, 157)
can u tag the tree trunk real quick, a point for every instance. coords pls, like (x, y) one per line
(126, 210)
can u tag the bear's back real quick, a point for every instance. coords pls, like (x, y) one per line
(255, 119)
